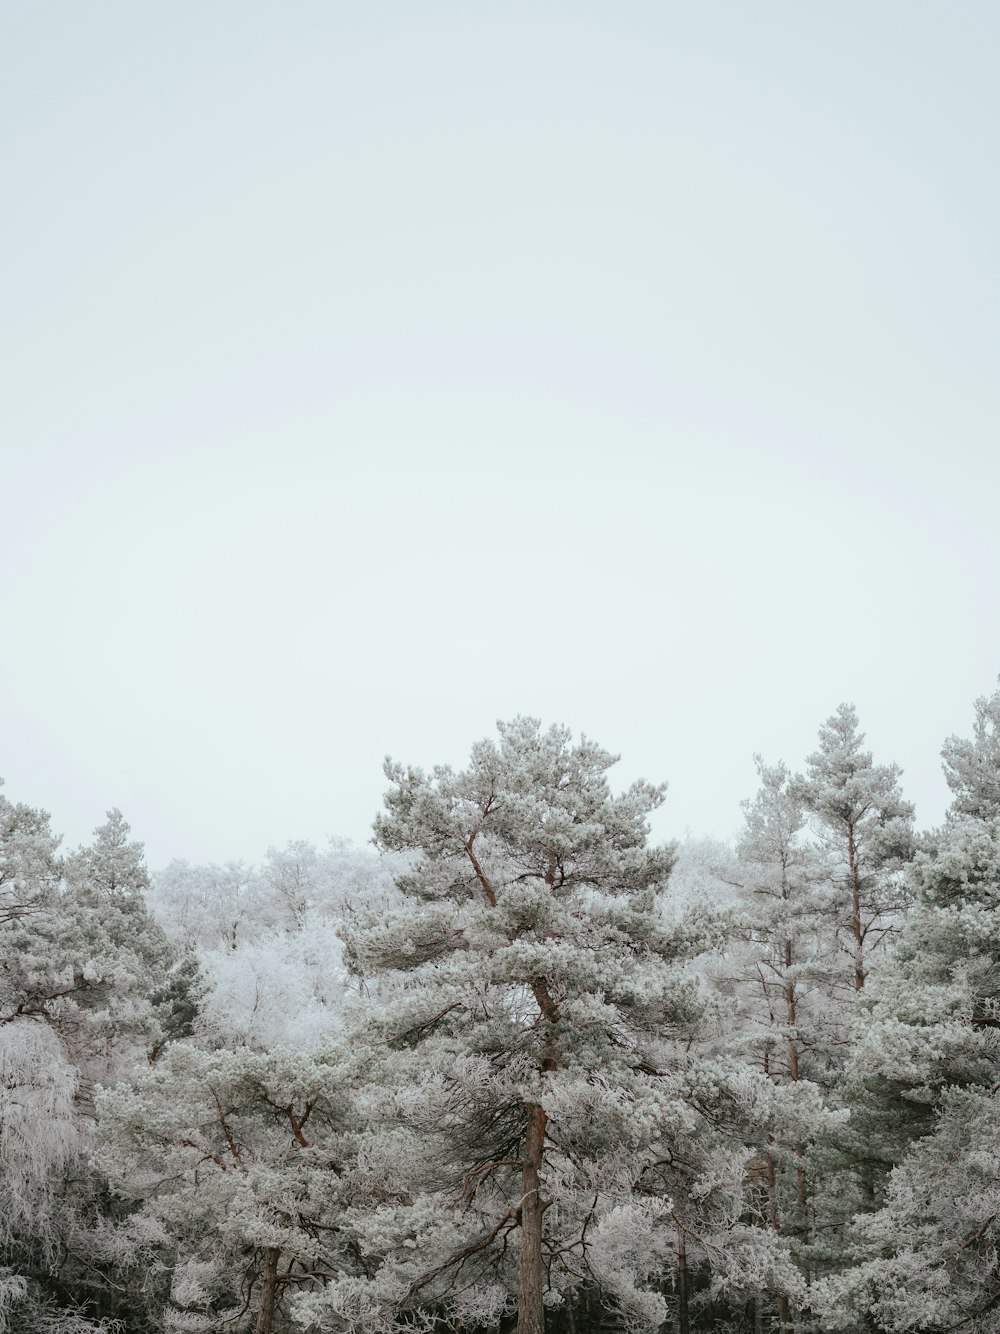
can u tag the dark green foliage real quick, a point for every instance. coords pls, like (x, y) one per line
(176, 1002)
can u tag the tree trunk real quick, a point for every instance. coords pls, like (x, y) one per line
(772, 1187)
(791, 1017)
(269, 1284)
(854, 862)
(530, 1311)
(784, 1311)
(800, 1153)
(758, 1315)
(683, 1318)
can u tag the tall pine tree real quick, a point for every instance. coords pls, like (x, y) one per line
(529, 1018)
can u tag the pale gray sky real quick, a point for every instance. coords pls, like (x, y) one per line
(372, 371)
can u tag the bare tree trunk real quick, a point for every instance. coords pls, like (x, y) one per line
(683, 1318)
(758, 1315)
(784, 1313)
(801, 1189)
(530, 1311)
(860, 972)
(791, 1017)
(269, 1284)
(772, 1187)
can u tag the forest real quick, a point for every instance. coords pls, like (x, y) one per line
(512, 1068)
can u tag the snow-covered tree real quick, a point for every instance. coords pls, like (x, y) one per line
(283, 987)
(929, 1021)
(264, 951)
(787, 916)
(866, 827)
(924, 1074)
(113, 867)
(929, 1261)
(30, 869)
(234, 1159)
(78, 959)
(972, 764)
(530, 1023)
(211, 907)
(105, 884)
(206, 906)
(784, 963)
(702, 873)
(39, 1128)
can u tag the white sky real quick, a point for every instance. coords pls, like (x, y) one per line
(373, 371)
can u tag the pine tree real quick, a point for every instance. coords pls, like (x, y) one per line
(79, 957)
(105, 884)
(786, 964)
(234, 1160)
(530, 1023)
(789, 918)
(924, 1074)
(866, 827)
(972, 765)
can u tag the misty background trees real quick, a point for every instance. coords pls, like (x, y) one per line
(513, 1068)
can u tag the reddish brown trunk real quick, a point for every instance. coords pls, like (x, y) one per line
(856, 930)
(269, 1285)
(772, 1187)
(790, 1015)
(530, 1311)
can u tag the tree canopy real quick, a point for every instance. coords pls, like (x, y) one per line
(515, 1068)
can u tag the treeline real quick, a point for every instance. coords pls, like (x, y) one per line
(517, 1069)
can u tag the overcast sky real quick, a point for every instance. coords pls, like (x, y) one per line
(372, 371)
